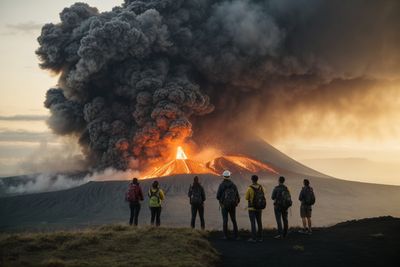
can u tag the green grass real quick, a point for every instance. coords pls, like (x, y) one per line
(111, 245)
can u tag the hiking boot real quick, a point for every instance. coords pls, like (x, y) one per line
(251, 240)
(303, 231)
(278, 237)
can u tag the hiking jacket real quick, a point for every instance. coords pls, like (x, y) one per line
(203, 194)
(140, 196)
(223, 186)
(277, 191)
(303, 193)
(160, 194)
(250, 195)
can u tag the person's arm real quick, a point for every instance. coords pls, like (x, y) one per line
(203, 194)
(237, 194)
(219, 192)
(141, 194)
(273, 197)
(248, 194)
(190, 191)
(301, 196)
(162, 195)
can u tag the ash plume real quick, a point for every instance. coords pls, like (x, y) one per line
(148, 75)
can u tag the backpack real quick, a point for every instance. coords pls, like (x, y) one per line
(284, 200)
(196, 197)
(229, 200)
(154, 200)
(259, 200)
(309, 197)
(133, 193)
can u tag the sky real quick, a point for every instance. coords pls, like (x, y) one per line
(27, 145)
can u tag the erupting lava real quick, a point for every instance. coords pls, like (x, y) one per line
(238, 165)
(180, 165)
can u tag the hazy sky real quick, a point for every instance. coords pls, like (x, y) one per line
(25, 138)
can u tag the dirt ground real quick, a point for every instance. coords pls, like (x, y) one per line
(367, 242)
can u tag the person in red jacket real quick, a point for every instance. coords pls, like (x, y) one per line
(134, 196)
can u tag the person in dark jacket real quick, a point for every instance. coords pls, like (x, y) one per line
(280, 210)
(228, 197)
(134, 196)
(197, 197)
(306, 193)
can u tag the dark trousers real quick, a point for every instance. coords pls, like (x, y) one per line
(197, 209)
(232, 214)
(155, 215)
(255, 216)
(135, 209)
(281, 215)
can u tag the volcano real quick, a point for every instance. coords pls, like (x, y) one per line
(180, 165)
(239, 165)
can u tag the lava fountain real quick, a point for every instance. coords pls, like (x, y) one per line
(180, 165)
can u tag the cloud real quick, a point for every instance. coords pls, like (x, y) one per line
(24, 27)
(25, 136)
(24, 117)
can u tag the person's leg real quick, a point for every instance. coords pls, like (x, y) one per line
(224, 213)
(137, 211)
(252, 216)
(285, 222)
(153, 216)
(259, 224)
(194, 212)
(278, 216)
(131, 207)
(304, 223)
(309, 224)
(232, 214)
(158, 216)
(201, 215)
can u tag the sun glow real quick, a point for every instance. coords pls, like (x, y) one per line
(180, 154)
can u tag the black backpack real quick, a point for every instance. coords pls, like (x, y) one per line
(284, 200)
(196, 196)
(259, 200)
(229, 200)
(309, 198)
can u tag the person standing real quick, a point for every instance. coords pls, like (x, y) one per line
(134, 195)
(256, 203)
(197, 197)
(228, 197)
(307, 198)
(282, 202)
(156, 196)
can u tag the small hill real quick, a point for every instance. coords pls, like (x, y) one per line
(239, 165)
(112, 245)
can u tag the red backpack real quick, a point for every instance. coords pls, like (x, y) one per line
(133, 194)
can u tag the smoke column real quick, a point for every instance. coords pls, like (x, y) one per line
(148, 75)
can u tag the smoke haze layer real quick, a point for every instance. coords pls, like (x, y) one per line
(149, 75)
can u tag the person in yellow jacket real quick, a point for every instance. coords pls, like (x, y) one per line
(256, 203)
(156, 196)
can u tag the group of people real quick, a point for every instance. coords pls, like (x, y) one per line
(229, 198)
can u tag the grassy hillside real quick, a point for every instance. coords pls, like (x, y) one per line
(113, 245)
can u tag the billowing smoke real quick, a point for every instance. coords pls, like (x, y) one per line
(148, 75)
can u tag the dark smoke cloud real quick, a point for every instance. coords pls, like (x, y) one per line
(141, 78)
